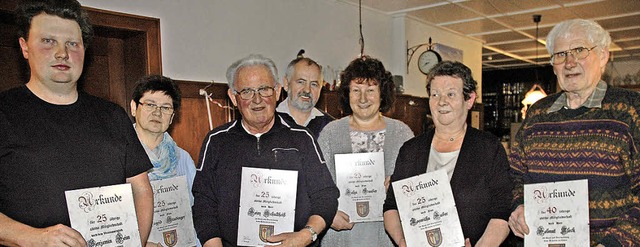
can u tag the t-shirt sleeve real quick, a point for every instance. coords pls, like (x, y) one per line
(136, 159)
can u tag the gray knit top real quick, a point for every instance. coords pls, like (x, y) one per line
(335, 139)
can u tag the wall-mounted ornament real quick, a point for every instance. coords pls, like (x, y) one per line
(426, 60)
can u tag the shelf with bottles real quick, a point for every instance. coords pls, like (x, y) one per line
(512, 95)
(502, 107)
(508, 88)
(490, 102)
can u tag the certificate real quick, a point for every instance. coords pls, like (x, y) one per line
(105, 216)
(267, 204)
(360, 179)
(557, 213)
(428, 211)
(172, 221)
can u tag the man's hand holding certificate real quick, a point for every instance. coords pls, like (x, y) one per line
(267, 204)
(557, 213)
(360, 179)
(105, 216)
(428, 211)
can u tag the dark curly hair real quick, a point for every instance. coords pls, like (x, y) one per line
(66, 9)
(367, 68)
(158, 83)
(457, 70)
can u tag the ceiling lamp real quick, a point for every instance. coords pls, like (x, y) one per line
(536, 92)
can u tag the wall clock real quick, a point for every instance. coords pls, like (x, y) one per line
(427, 60)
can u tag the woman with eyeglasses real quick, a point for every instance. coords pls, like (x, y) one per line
(587, 131)
(155, 102)
(156, 99)
(367, 90)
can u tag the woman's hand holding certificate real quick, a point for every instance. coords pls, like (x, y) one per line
(427, 210)
(360, 179)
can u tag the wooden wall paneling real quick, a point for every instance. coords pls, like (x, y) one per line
(192, 123)
(191, 126)
(411, 110)
(329, 102)
(16, 72)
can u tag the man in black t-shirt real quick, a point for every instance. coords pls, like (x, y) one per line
(54, 138)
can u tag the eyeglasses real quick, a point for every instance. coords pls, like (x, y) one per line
(577, 53)
(249, 93)
(151, 107)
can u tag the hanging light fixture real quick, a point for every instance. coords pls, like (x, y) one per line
(361, 41)
(536, 92)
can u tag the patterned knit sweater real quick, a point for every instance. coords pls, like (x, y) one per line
(598, 144)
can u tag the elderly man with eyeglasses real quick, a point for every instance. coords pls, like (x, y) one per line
(260, 139)
(587, 131)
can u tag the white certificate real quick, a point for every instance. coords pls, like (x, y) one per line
(267, 204)
(172, 221)
(557, 213)
(428, 211)
(360, 179)
(105, 216)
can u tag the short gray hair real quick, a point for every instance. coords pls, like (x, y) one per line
(307, 61)
(592, 31)
(251, 60)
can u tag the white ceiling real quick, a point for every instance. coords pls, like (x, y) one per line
(507, 29)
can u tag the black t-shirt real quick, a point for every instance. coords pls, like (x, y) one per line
(47, 149)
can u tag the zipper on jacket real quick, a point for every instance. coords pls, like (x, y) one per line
(275, 155)
(258, 144)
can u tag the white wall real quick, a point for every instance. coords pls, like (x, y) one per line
(201, 38)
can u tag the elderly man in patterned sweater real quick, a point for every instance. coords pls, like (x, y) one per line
(587, 131)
